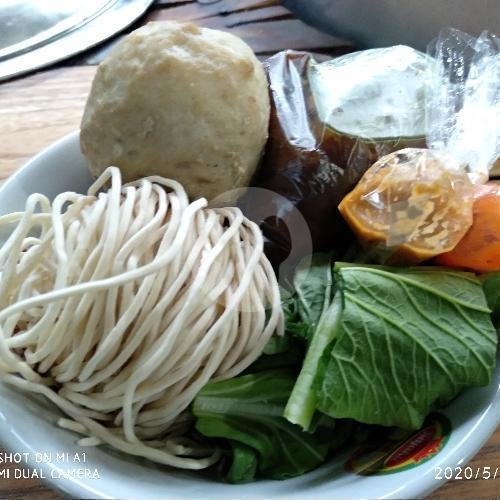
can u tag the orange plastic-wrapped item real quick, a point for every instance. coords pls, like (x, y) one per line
(412, 203)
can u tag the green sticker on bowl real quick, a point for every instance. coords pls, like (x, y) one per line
(399, 450)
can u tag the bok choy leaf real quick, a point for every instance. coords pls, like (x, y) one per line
(247, 410)
(404, 341)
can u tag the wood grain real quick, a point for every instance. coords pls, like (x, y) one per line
(195, 11)
(265, 25)
(37, 110)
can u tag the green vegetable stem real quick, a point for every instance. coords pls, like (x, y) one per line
(301, 406)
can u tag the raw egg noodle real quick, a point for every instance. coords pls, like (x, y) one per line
(120, 305)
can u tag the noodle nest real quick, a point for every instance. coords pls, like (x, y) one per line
(120, 305)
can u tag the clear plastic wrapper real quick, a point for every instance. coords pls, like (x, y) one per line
(329, 122)
(463, 100)
(418, 203)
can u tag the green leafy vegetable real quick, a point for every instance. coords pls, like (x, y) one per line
(491, 285)
(394, 343)
(408, 339)
(280, 352)
(244, 465)
(248, 410)
(278, 345)
(291, 358)
(313, 292)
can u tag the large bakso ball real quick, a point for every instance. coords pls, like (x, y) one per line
(180, 101)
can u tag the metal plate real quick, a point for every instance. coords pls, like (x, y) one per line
(36, 33)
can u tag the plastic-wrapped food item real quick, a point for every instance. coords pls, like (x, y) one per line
(375, 95)
(463, 100)
(417, 203)
(409, 205)
(329, 122)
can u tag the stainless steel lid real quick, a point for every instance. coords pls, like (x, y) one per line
(36, 33)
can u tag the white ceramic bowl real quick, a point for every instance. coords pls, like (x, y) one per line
(27, 424)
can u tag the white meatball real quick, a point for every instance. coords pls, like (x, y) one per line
(180, 101)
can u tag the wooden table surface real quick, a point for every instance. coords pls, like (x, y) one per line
(39, 109)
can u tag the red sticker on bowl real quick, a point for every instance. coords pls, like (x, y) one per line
(397, 450)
